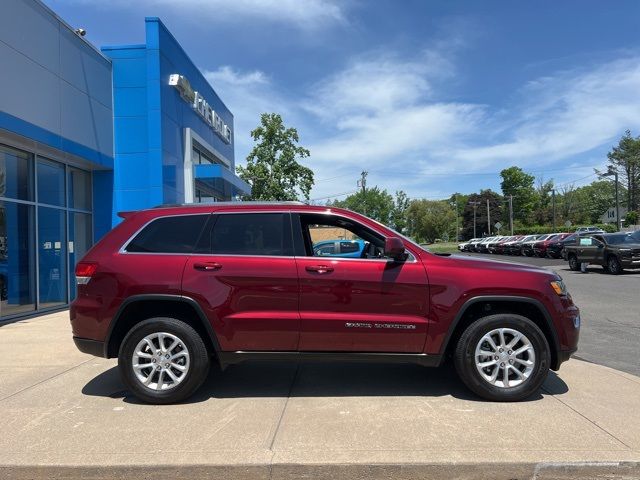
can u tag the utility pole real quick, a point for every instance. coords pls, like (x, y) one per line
(455, 202)
(511, 213)
(553, 201)
(362, 183)
(488, 218)
(618, 223)
(475, 207)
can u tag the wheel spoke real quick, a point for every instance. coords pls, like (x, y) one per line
(516, 338)
(517, 372)
(160, 380)
(142, 354)
(526, 363)
(487, 354)
(173, 345)
(494, 375)
(172, 375)
(522, 349)
(501, 335)
(151, 345)
(183, 353)
(505, 375)
(487, 364)
(141, 366)
(492, 343)
(182, 368)
(147, 380)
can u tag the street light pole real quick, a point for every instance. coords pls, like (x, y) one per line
(553, 199)
(488, 218)
(612, 172)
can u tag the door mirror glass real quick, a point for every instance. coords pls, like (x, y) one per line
(394, 248)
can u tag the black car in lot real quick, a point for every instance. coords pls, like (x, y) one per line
(556, 246)
(614, 251)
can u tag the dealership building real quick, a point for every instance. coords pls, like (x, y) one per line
(86, 133)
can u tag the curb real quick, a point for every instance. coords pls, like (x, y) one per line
(458, 471)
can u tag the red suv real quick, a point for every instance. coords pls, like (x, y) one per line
(171, 288)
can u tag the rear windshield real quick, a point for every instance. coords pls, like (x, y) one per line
(621, 239)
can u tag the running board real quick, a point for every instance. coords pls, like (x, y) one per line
(231, 358)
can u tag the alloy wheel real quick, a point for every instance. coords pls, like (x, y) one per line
(160, 361)
(505, 357)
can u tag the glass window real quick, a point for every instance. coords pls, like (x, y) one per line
(177, 234)
(324, 249)
(52, 254)
(249, 234)
(80, 240)
(79, 189)
(51, 183)
(355, 240)
(17, 259)
(16, 174)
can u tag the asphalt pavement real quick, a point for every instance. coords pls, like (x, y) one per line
(610, 311)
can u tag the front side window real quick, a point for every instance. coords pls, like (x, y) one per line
(176, 234)
(265, 234)
(353, 239)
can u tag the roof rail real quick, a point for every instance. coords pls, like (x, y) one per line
(257, 202)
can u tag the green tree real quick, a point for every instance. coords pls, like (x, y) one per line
(372, 202)
(518, 183)
(625, 159)
(543, 206)
(430, 219)
(592, 201)
(272, 168)
(459, 202)
(399, 212)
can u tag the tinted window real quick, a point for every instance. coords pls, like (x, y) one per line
(249, 234)
(349, 247)
(169, 235)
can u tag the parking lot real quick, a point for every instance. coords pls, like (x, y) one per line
(610, 308)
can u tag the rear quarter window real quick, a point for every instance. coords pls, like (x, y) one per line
(176, 234)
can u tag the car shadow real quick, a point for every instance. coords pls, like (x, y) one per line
(310, 379)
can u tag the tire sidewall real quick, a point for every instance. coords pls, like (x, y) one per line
(198, 358)
(465, 357)
(573, 263)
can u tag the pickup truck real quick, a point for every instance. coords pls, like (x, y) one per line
(613, 251)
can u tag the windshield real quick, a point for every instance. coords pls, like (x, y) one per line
(622, 239)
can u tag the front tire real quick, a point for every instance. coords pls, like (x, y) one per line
(503, 357)
(613, 265)
(163, 360)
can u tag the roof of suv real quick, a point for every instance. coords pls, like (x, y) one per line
(213, 206)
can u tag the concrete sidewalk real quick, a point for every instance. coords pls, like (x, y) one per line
(67, 415)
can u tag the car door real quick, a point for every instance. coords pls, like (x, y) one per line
(587, 248)
(598, 254)
(366, 304)
(244, 275)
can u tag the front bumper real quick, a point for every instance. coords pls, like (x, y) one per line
(92, 347)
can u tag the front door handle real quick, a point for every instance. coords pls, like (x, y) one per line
(319, 268)
(207, 266)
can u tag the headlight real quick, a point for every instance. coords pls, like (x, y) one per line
(559, 287)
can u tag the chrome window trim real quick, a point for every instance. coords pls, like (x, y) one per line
(412, 256)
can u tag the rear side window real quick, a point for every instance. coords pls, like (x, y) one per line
(249, 234)
(349, 247)
(177, 234)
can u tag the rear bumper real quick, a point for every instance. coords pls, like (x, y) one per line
(87, 345)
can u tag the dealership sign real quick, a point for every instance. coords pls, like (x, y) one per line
(200, 105)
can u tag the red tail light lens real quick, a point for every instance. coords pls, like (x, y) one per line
(84, 272)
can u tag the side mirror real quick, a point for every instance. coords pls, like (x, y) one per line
(394, 248)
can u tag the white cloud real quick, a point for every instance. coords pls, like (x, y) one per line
(566, 114)
(307, 14)
(385, 114)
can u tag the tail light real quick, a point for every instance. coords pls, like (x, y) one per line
(84, 272)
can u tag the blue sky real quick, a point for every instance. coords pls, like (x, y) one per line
(431, 97)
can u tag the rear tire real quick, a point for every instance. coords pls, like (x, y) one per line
(573, 263)
(168, 347)
(502, 329)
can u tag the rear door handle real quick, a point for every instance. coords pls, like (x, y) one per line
(319, 268)
(207, 266)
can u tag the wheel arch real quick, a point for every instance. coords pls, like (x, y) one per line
(478, 307)
(137, 308)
